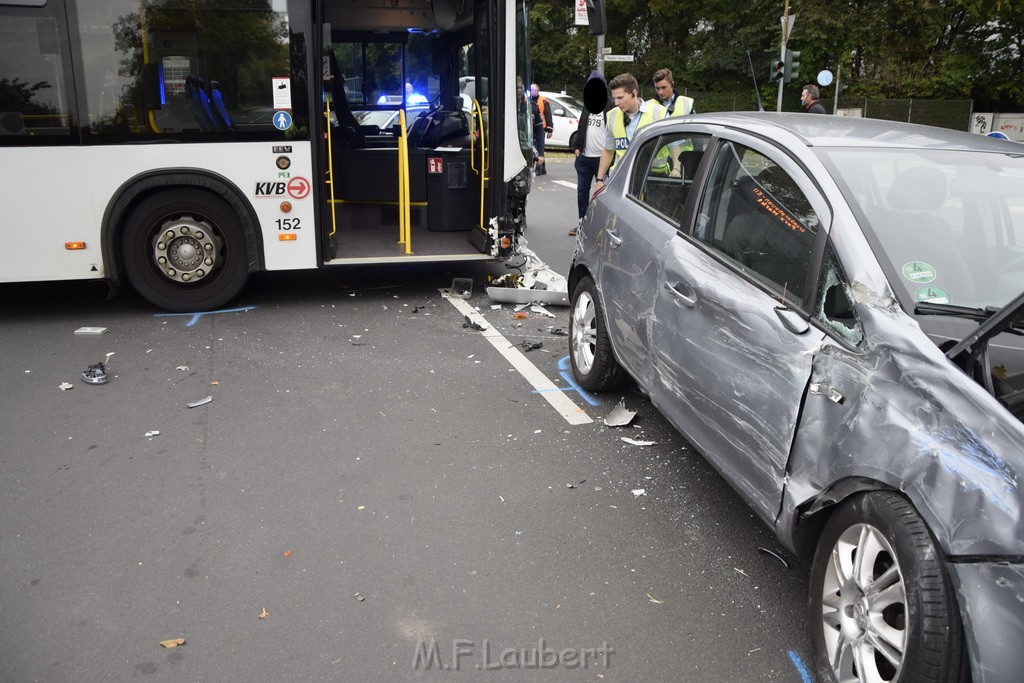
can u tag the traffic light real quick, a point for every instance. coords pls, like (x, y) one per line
(776, 70)
(789, 72)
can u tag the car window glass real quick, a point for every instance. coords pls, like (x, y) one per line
(754, 213)
(664, 170)
(834, 307)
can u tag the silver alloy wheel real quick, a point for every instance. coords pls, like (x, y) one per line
(185, 249)
(584, 332)
(864, 607)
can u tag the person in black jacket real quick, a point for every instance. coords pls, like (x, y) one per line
(809, 98)
(588, 141)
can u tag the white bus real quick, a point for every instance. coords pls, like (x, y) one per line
(180, 145)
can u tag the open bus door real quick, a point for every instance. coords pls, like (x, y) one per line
(415, 158)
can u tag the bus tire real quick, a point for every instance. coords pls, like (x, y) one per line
(184, 250)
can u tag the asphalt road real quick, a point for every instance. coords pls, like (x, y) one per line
(371, 477)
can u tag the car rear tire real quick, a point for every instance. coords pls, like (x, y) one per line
(881, 607)
(184, 250)
(590, 349)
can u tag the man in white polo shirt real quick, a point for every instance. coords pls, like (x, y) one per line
(629, 115)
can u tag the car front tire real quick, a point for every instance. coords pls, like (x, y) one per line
(590, 349)
(881, 607)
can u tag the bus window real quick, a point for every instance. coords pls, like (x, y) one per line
(163, 67)
(34, 97)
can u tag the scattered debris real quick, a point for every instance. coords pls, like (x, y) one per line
(215, 382)
(183, 368)
(530, 345)
(575, 486)
(287, 553)
(200, 402)
(152, 433)
(520, 315)
(95, 374)
(741, 572)
(64, 386)
(361, 507)
(620, 415)
(638, 442)
(537, 308)
(91, 331)
(474, 325)
(756, 649)
(173, 642)
(359, 597)
(417, 309)
(535, 282)
(264, 613)
(462, 287)
(774, 554)
(655, 600)
(639, 492)
(560, 332)
(496, 307)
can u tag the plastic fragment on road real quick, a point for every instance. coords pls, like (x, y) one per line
(639, 492)
(173, 642)
(620, 415)
(91, 331)
(774, 554)
(95, 374)
(655, 600)
(359, 597)
(531, 345)
(462, 288)
(183, 368)
(478, 325)
(559, 332)
(575, 486)
(200, 402)
(537, 308)
(637, 442)
(152, 433)
(64, 386)
(264, 613)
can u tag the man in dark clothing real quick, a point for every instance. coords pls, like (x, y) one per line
(809, 98)
(588, 140)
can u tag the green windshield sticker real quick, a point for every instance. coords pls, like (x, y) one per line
(918, 271)
(933, 295)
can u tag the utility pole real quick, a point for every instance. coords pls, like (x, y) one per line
(600, 53)
(787, 26)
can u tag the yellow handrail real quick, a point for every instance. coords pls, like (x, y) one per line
(478, 112)
(404, 212)
(330, 168)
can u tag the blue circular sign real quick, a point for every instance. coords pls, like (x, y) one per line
(282, 120)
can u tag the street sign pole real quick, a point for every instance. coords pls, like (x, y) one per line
(600, 54)
(787, 28)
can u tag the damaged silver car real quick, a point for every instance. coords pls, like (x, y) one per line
(830, 310)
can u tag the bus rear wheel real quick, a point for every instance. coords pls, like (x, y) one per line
(184, 250)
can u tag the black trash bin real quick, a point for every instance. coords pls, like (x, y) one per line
(453, 191)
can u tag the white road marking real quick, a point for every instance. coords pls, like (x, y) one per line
(572, 413)
(566, 183)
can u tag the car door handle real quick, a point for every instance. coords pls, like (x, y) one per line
(614, 239)
(686, 297)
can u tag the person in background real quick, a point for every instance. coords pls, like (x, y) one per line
(809, 98)
(674, 103)
(622, 123)
(544, 128)
(588, 140)
(413, 97)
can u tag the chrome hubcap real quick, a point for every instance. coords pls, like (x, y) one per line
(864, 608)
(584, 332)
(186, 249)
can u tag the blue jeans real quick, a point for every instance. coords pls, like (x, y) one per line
(586, 171)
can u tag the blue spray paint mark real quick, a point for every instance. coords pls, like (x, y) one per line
(197, 316)
(563, 366)
(805, 676)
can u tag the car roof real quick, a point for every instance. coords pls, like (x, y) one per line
(818, 130)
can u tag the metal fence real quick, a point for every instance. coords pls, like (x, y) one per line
(953, 114)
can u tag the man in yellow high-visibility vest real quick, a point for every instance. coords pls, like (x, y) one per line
(629, 115)
(676, 105)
